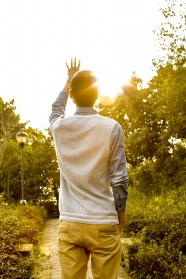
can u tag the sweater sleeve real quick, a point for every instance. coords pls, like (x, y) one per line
(117, 168)
(58, 108)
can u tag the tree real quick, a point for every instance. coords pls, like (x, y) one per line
(9, 126)
(41, 169)
(171, 34)
(168, 89)
(40, 165)
(41, 174)
(154, 120)
(133, 109)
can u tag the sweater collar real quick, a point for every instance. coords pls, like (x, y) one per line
(85, 110)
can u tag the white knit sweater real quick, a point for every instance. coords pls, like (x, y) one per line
(82, 147)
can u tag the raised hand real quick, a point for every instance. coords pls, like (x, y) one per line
(73, 68)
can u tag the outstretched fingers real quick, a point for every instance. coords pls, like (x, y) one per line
(73, 67)
(73, 64)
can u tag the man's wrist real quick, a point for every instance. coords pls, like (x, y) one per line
(69, 78)
(121, 217)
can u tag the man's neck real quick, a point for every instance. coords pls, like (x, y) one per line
(85, 110)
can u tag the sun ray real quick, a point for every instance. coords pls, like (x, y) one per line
(110, 86)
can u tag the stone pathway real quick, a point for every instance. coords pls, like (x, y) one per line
(50, 262)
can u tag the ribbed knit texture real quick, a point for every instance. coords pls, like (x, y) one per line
(82, 146)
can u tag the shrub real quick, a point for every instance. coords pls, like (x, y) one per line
(159, 223)
(19, 224)
(51, 209)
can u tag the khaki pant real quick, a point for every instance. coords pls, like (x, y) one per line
(76, 242)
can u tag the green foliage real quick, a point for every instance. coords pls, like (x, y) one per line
(154, 124)
(171, 33)
(159, 224)
(133, 109)
(9, 121)
(41, 174)
(9, 125)
(18, 225)
(9, 149)
(168, 95)
(51, 209)
(167, 171)
(41, 168)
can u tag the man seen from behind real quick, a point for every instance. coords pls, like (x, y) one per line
(92, 196)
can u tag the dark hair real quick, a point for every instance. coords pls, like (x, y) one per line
(84, 89)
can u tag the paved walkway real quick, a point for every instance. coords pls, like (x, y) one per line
(50, 262)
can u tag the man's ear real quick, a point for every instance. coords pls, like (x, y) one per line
(71, 94)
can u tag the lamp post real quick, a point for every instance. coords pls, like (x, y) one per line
(21, 138)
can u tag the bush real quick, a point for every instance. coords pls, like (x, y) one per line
(159, 223)
(19, 224)
(51, 209)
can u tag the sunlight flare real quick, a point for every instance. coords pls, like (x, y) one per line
(110, 86)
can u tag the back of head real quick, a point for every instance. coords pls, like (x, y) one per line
(84, 89)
